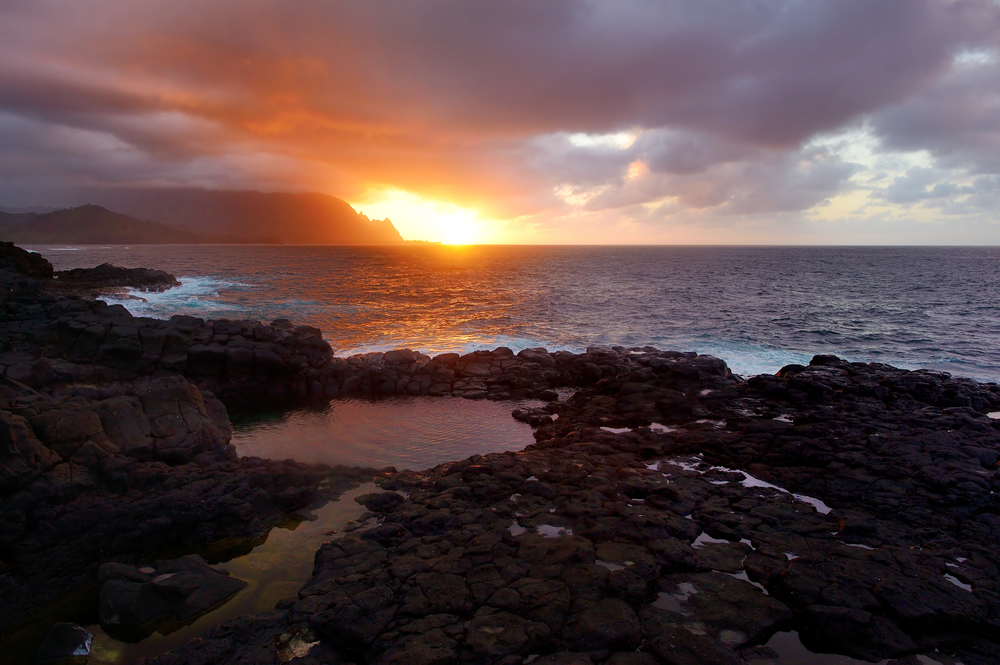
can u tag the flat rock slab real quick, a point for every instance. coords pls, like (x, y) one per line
(722, 607)
(172, 591)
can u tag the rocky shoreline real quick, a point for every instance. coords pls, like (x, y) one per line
(669, 511)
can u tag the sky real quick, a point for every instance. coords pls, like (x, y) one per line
(517, 121)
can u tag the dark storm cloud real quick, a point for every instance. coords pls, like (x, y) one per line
(472, 101)
(957, 118)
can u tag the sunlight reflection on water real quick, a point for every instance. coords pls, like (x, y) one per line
(405, 432)
(758, 308)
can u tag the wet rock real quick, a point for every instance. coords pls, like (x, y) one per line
(854, 632)
(555, 551)
(65, 642)
(173, 591)
(433, 647)
(493, 635)
(631, 658)
(356, 624)
(382, 502)
(538, 355)
(675, 644)
(611, 624)
(732, 611)
(245, 640)
(565, 658)
(107, 276)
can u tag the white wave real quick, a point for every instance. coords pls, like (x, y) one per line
(196, 296)
(748, 359)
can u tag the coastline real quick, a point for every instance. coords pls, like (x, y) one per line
(904, 461)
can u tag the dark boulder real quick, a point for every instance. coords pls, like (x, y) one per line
(29, 264)
(65, 642)
(107, 276)
(165, 592)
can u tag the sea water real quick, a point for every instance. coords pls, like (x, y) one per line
(758, 308)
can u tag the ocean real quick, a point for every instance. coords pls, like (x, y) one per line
(758, 308)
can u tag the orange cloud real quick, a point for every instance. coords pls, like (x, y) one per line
(530, 114)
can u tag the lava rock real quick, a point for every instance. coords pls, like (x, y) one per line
(172, 591)
(65, 642)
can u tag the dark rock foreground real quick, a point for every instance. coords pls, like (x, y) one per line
(107, 276)
(669, 511)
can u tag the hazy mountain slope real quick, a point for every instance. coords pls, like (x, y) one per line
(289, 218)
(89, 224)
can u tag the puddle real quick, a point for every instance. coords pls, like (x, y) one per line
(668, 602)
(695, 464)
(751, 481)
(275, 569)
(655, 427)
(742, 575)
(791, 651)
(674, 602)
(705, 539)
(961, 585)
(405, 432)
(995, 415)
(663, 429)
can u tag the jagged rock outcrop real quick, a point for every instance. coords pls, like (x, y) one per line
(21, 261)
(107, 276)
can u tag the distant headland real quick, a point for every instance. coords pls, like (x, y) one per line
(199, 216)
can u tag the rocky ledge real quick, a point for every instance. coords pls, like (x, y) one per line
(107, 276)
(55, 337)
(669, 511)
(676, 514)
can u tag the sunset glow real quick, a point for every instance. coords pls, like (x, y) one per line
(780, 123)
(418, 218)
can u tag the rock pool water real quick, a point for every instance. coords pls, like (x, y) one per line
(405, 432)
(791, 651)
(275, 570)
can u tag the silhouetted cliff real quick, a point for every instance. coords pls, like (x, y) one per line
(90, 224)
(309, 219)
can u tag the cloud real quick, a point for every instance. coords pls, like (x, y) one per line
(520, 110)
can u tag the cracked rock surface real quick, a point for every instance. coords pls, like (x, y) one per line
(669, 511)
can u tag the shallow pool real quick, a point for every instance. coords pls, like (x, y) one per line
(404, 432)
(275, 570)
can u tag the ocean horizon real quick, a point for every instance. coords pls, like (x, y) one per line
(757, 307)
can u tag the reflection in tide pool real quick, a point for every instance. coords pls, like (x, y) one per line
(405, 432)
(275, 570)
(791, 651)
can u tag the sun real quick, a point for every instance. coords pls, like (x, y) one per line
(457, 231)
(417, 218)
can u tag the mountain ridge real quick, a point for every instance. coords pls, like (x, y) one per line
(89, 224)
(310, 218)
(200, 216)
